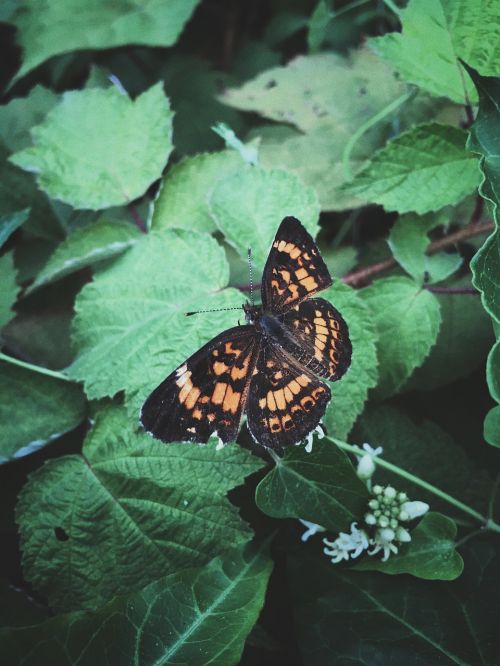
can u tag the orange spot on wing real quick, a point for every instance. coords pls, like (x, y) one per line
(231, 401)
(219, 393)
(301, 274)
(294, 386)
(220, 368)
(303, 380)
(197, 414)
(271, 402)
(279, 396)
(191, 399)
(309, 283)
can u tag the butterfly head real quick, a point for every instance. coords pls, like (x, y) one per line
(252, 312)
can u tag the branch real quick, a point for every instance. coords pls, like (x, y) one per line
(363, 275)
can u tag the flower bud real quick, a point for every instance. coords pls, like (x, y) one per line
(414, 509)
(383, 521)
(390, 493)
(370, 519)
(373, 504)
(366, 467)
(377, 490)
(386, 534)
(402, 535)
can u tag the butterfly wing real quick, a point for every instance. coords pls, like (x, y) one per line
(294, 269)
(286, 402)
(208, 393)
(318, 338)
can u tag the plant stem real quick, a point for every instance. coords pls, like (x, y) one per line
(363, 275)
(452, 290)
(487, 523)
(346, 155)
(138, 221)
(35, 368)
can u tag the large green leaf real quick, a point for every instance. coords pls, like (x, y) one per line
(426, 450)
(196, 617)
(408, 241)
(421, 170)
(463, 341)
(8, 287)
(436, 33)
(21, 114)
(9, 223)
(369, 618)
(66, 25)
(431, 553)
(493, 371)
(183, 198)
(126, 511)
(85, 247)
(312, 83)
(192, 87)
(484, 140)
(349, 394)
(320, 486)
(248, 207)
(130, 330)
(492, 427)
(97, 148)
(35, 409)
(407, 321)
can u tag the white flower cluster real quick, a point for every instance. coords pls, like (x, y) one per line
(383, 530)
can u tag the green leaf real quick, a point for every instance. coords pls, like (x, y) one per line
(350, 393)
(130, 330)
(34, 410)
(407, 321)
(320, 165)
(431, 553)
(9, 223)
(493, 371)
(465, 333)
(408, 241)
(436, 33)
(63, 27)
(320, 486)
(18, 191)
(97, 148)
(484, 140)
(8, 287)
(22, 113)
(369, 618)
(492, 427)
(312, 83)
(424, 449)
(17, 609)
(421, 170)
(183, 198)
(126, 511)
(318, 24)
(249, 205)
(193, 86)
(197, 616)
(85, 247)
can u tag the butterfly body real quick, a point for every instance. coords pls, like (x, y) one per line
(267, 367)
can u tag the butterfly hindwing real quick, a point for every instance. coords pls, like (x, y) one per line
(294, 269)
(320, 338)
(286, 402)
(207, 394)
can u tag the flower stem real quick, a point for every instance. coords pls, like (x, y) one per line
(488, 523)
(35, 368)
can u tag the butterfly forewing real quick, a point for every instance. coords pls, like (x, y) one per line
(206, 394)
(294, 269)
(319, 338)
(286, 402)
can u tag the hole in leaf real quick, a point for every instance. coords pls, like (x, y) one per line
(61, 535)
(271, 84)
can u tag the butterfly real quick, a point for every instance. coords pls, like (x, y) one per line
(270, 367)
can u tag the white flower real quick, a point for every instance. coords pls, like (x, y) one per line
(345, 545)
(366, 464)
(411, 510)
(383, 540)
(318, 430)
(312, 528)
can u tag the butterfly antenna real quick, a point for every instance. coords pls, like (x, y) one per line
(188, 314)
(250, 272)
